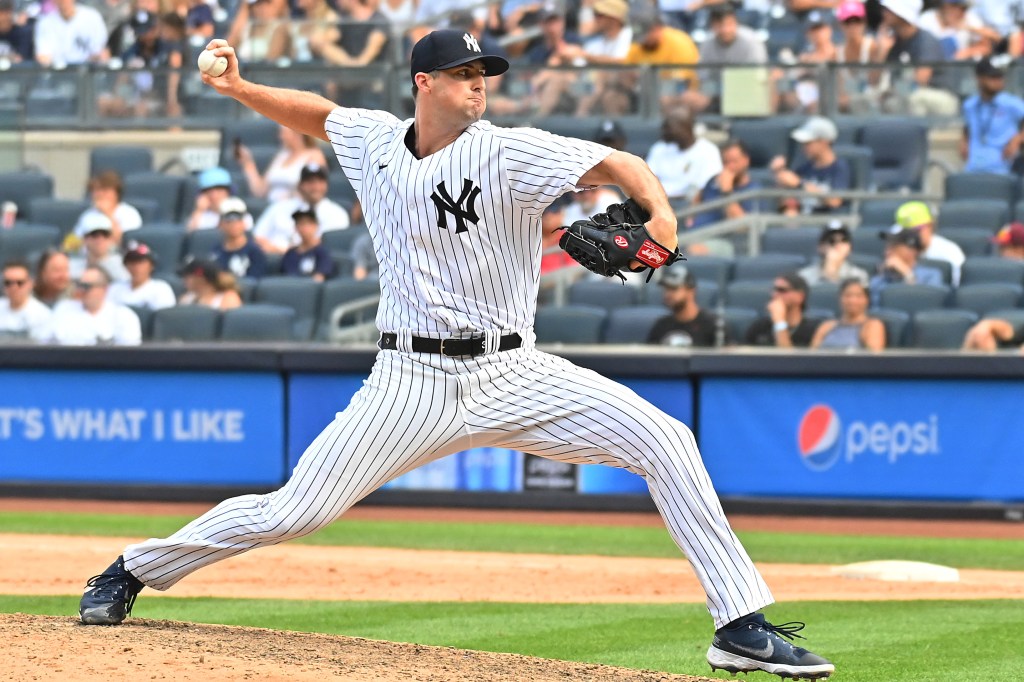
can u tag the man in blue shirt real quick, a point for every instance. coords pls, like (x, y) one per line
(903, 247)
(735, 177)
(238, 253)
(992, 121)
(821, 171)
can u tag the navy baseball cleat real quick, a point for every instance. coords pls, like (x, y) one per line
(752, 643)
(109, 596)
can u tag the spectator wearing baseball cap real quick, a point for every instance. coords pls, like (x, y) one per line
(934, 85)
(238, 252)
(15, 40)
(820, 173)
(308, 258)
(1010, 241)
(142, 290)
(903, 248)
(106, 191)
(993, 121)
(214, 186)
(833, 264)
(688, 325)
(275, 230)
(610, 133)
(98, 248)
(207, 284)
(915, 215)
(785, 325)
(960, 30)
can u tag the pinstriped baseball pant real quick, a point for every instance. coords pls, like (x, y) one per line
(415, 408)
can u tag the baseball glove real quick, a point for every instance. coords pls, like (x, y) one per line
(607, 242)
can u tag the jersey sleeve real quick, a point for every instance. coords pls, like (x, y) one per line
(540, 166)
(351, 131)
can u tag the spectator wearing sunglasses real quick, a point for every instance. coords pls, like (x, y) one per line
(834, 266)
(785, 325)
(22, 315)
(89, 319)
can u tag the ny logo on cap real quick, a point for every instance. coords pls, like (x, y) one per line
(471, 43)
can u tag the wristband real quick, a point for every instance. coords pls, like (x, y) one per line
(780, 326)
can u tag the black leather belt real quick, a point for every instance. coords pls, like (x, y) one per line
(451, 348)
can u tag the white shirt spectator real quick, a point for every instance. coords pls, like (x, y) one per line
(127, 216)
(945, 249)
(962, 37)
(277, 226)
(114, 324)
(999, 14)
(30, 322)
(73, 41)
(435, 12)
(154, 294)
(113, 265)
(684, 172)
(602, 46)
(601, 197)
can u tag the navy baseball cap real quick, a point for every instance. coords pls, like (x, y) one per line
(445, 49)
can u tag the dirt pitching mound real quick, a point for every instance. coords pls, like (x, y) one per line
(47, 648)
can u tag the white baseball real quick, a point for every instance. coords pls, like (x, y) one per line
(211, 64)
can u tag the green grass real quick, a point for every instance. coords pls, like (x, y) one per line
(599, 540)
(976, 641)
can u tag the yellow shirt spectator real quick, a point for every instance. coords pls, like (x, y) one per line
(664, 45)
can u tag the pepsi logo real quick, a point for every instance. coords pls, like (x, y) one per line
(621, 241)
(818, 437)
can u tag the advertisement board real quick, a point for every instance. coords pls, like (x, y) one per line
(141, 427)
(867, 438)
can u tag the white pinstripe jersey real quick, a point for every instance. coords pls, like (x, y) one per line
(462, 277)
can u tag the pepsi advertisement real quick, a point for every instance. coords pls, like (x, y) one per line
(315, 399)
(176, 428)
(864, 438)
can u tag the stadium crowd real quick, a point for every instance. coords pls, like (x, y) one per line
(281, 212)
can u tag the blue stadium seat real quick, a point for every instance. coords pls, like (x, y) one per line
(200, 243)
(710, 268)
(914, 298)
(25, 241)
(23, 186)
(166, 240)
(253, 132)
(738, 321)
(186, 323)
(982, 186)
(974, 241)
(603, 293)
(987, 214)
(941, 328)
(125, 159)
(900, 150)
(258, 322)
(301, 294)
(861, 161)
(342, 240)
(632, 324)
(984, 298)
(766, 266)
(752, 295)
(145, 315)
(824, 296)
(978, 269)
(340, 189)
(166, 190)
(569, 324)
(764, 138)
(800, 241)
(896, 322)
(62, 213)
(340, 291)
(878, 214)
(943, 266)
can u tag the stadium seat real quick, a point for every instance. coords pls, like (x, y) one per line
(820, 314)
(752, 295)
(149, 209)
(940, 328)
(145, 315)
(974, 241)
(707, 295)
(25, 241)
(984, 298)
(186, 323)
(738, 321)
(982, 186)
(641, 134)
(207, 104)
(124, 159)
(1015, 316)
(900, 149)
(166, 190)
(987, 214)
(710, 268)
(342, 240)
(62, 213)
(824, 296)
(165, 240)
(632, 324)
(344, 290)
(865, 262)
(340, 189)
(301, 294)
(861, 160)
(602, 293)
(176, 282)
(850, 129)
(569, 324)
(799, 241)
(23, 186)
(878, 214)
(943, 266)
(258, 322)
(764, 138)
(766, 266)
(246, 288)
(866, 241)
(914, 298)
(979, 269)
(253, 132)
(896, 324)
(200, 243)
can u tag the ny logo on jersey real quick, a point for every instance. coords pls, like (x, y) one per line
(463, 208)
(471, 43)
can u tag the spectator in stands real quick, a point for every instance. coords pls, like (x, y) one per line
(238, 252)
(214, 186)
(15, 39)
(53, 277)
(611, 43)
(281, 178)
(208, 285)
(551, 223)
(400, 14)
(903, 248)
(91, 319)
(98, 249)
(785, 325)
(961, 32)
(549, 88)
(683, 162)
(318, 25)
(142, 290)
(611, 134)
(915, 215)
(657, 44)
(275, 230)
(688, 325)
(361, 40)
(854, 329)
(992, 334)
(734, 177)
(159, 45)
(22, 315)
(200, 24)
(993, 121)
(821, 172)
(263, 37)
(1010, 241)
(106, 190)
(548, 50)
(731, 42)
(833, 265)
(820, 47)
(858, 47)
(70, 34)
(308, 258)
(1000, 15)
(908, 45)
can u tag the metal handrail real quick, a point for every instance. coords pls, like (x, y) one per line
(360, 330)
